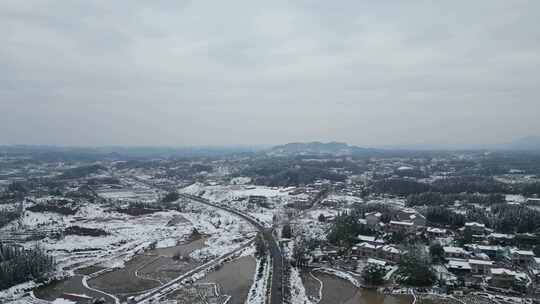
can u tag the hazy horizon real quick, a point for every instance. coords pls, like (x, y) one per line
(201, 73)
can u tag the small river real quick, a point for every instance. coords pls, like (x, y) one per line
(340, 291)
(234, 278)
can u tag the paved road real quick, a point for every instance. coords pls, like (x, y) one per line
(276, 288)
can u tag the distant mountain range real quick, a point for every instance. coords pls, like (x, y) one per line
(531, 143)
(320, 148)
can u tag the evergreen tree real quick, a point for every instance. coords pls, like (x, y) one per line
(286, 232)
(373, 274)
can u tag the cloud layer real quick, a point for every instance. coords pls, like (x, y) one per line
(243, 72)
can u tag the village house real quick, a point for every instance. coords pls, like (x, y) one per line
(377, 262)
(502, 278)
(410, 215)
(390, 253)
(533, 201)
(436, 232)
(364, 250)
(318, 256)
(459, 266)
(373, 219)
(455, 252)
(480, 266)
(403, 227)
(475, 228)
(521, 257)
(500, 239)
(492, 251)
(300, 204)
(370, 239)
(478, 238)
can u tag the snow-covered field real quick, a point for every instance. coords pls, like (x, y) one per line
(237, 197)
(125, 233)
(309, 226)
(128, 235)
(220, 193)
(298, 292)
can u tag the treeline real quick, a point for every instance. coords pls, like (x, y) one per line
(470, 184)
(512, 218)
(63, 207)
(503, 162)
(346, 228)
(444, 217)
(18, 265)
(531, 189)
(453, 185)
(85, 231)
(138, 208)
(438, 198)
(441, 215)
(82, 171)
(19, 189)
(276, 176)
(400, 186)
(502, 218)
(170, 197)
(6, 216)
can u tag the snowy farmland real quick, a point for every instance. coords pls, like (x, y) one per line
(123, 242)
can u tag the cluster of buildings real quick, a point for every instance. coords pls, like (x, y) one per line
(490, 260)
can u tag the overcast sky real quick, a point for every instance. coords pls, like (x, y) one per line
(180, 73)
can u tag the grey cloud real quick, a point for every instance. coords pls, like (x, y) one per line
(240, 72)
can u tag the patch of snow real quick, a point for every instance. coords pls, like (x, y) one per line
(298, 291)
(62, 301)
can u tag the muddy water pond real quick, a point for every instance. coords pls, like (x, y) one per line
(148, 270)
(88, 270)
(124, 281)
(62, 289)
(234, 279)
(339, 291)
(165, 268)
(141, 273)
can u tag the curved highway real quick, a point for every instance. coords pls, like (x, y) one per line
(276, 288)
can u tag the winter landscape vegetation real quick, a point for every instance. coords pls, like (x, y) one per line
(298, 223)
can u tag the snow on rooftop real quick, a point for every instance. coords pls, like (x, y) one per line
(458, 250)
(405, 168)
(484, 247)
(365, 245)
(459, 264)
(521, 252)
(366, 238)
(474, 224)
(376, 262)
(480, 262)
(62, 301)
(401, 223)
(503, 271)
(390, 249)
(436, 230)
(501, 236)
